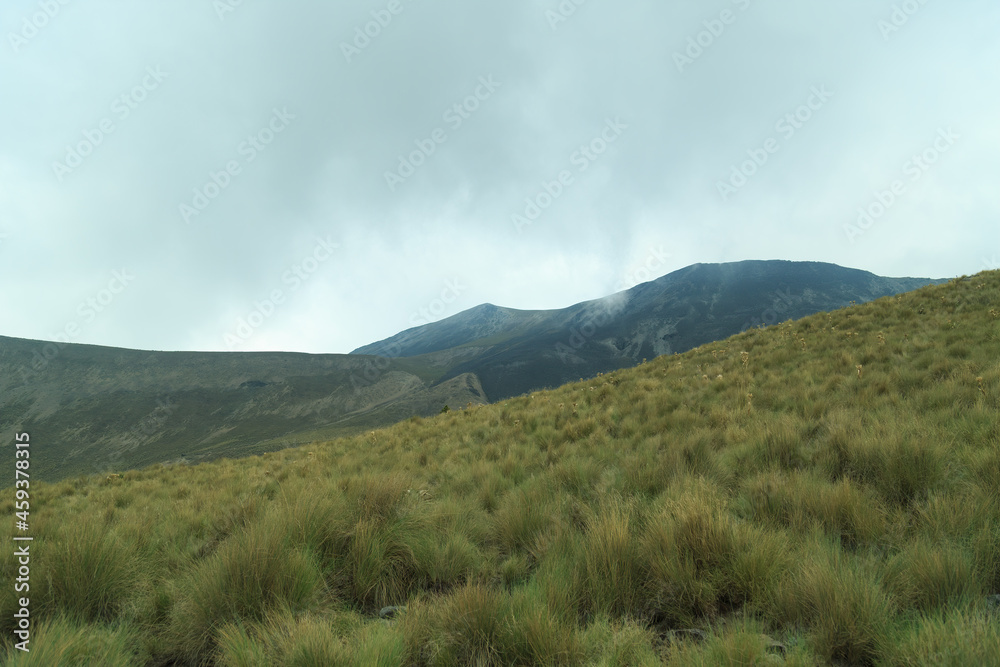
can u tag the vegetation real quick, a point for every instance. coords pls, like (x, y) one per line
(103, 409)
(824, 491)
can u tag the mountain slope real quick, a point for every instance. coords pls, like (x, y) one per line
(100, 408)
(483, 322)
(822, 492)
(518, 351)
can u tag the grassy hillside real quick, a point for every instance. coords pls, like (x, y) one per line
(824, 491)
(108, 409)
(102, 409)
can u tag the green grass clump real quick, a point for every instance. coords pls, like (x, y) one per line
(251, 573)
(63, 640)
(612, 561)
(818, 492)
(740, 642)
(610, 643)
(477, 625)
(842, 601)
(92, 573)
(952, 637)
(283, 638)
(381, 562)
(522, 516)
(930, 577)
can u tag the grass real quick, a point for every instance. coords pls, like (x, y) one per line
(818, 492)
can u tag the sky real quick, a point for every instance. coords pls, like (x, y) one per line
(253, 175)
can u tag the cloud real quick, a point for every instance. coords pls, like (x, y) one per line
(510, 99)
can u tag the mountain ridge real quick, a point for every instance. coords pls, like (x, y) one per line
(674, 313)
(411, 342)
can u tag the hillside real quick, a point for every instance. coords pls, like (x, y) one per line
(819, 492)
(110, 409)
(104, 409)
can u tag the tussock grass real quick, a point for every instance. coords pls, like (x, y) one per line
(523, 514)
(91, 573)
(843, 603)
(798, 501)
(834, 491)
(614, 643)
(685, 545)
(381, 562)
(742, 642)
(252, 572)
(477, 625)
(954, 636)
(612, 562)
(283, 638)
(931, 577)
(63, 640)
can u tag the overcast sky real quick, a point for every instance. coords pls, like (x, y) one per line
(315, 176)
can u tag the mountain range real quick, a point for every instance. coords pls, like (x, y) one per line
(517, 351)
(98, 409)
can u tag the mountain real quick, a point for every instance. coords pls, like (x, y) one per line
(823, 492)
(485, 324)
(99, 408)
(517, 351)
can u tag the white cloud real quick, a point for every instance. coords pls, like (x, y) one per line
(655, 186)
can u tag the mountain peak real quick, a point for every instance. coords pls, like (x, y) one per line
(512, 351)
